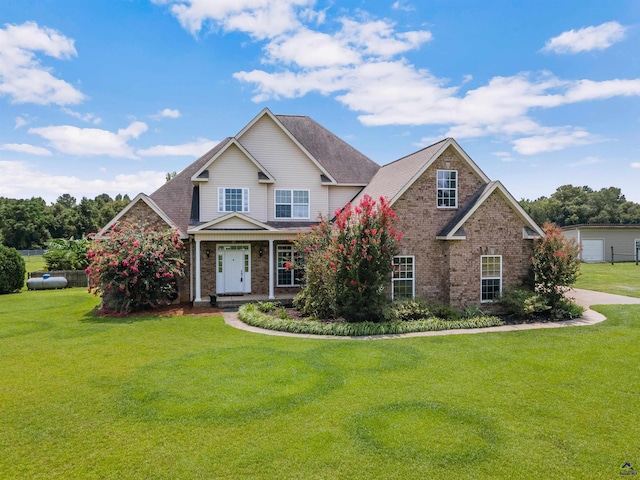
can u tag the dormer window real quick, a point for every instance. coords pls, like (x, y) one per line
(447, 189)
(233, 199)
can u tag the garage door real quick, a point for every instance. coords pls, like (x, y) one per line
(593, 250)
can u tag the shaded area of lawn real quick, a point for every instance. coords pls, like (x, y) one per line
(189, 397)
(620, 278)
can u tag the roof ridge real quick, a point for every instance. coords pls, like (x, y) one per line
(416, 152)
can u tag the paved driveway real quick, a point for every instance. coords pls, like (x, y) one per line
(586, 298)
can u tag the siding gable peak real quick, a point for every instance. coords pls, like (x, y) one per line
(263, 174)
(267, 113)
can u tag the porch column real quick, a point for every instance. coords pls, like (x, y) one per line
(198, 280)
(271, 282)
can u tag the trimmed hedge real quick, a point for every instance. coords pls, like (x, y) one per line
(12, 270)
(251, 315)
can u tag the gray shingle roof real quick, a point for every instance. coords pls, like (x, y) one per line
(478, 198)
(344, 163)
(393, 177)
(175, 197)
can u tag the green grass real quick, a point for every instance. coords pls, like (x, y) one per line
(34, 263)
(620, 278)
(189, 397)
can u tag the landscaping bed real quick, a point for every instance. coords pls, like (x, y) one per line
(271, 316)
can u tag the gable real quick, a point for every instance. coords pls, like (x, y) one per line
(280, 153)
(395, 178)
(232, 221)
(142, 210)
(490, 193)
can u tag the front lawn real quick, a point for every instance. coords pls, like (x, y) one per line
(189, 397)
(620, 278)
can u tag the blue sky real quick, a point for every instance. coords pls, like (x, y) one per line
(107, 96)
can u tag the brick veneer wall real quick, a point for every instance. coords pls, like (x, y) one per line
(143, 215)
(494, 229)
(449, 271)
(420, 220)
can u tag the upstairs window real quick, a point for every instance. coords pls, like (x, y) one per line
(490, 277)
(292, 204)
(447, 189)
(233, 199)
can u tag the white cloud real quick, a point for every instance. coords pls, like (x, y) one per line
(22, 77)
(25, 148)
(167, 113)
(379, 39)
(85, 117)
(92, 141)
(360, 64)
(635, 164)
(584, 162)
(552, 142)
(20, 122)
(598, 37)
(192, 149)
(503, 156)
(399, 5)
(258, 18)
(22, 179)
(307, 48)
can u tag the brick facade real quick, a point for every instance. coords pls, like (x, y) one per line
(140, 213)
(448, 271)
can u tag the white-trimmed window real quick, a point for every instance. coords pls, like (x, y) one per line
(447, 188)
(289, 277)
(490, 277)
(233, 199)
(292, 204)
(402, 282)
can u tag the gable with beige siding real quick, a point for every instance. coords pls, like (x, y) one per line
(289, 165)
(232, 169)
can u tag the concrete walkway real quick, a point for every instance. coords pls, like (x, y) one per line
(585, 298)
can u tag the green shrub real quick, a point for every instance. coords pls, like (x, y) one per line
(348, 262)
(12, 270)
(409, 310)
(527, 305)
(67, 254)
(472, 311)
(267, 307)
(134, 268)
(524, 303)
(566, 309)
(251, 315)
(556, 264)
(445, 312)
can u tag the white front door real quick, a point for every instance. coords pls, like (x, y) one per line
(233, 272)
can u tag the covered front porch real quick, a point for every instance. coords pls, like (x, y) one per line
(241, 265)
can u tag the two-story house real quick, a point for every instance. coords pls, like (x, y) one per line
(239, 206)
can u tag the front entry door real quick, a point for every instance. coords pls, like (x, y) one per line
(233, 271)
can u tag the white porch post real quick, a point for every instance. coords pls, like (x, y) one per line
(271, 282)
(198, 280)
(191, 267)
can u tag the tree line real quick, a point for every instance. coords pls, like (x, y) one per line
(31, 223)
(570, 205)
